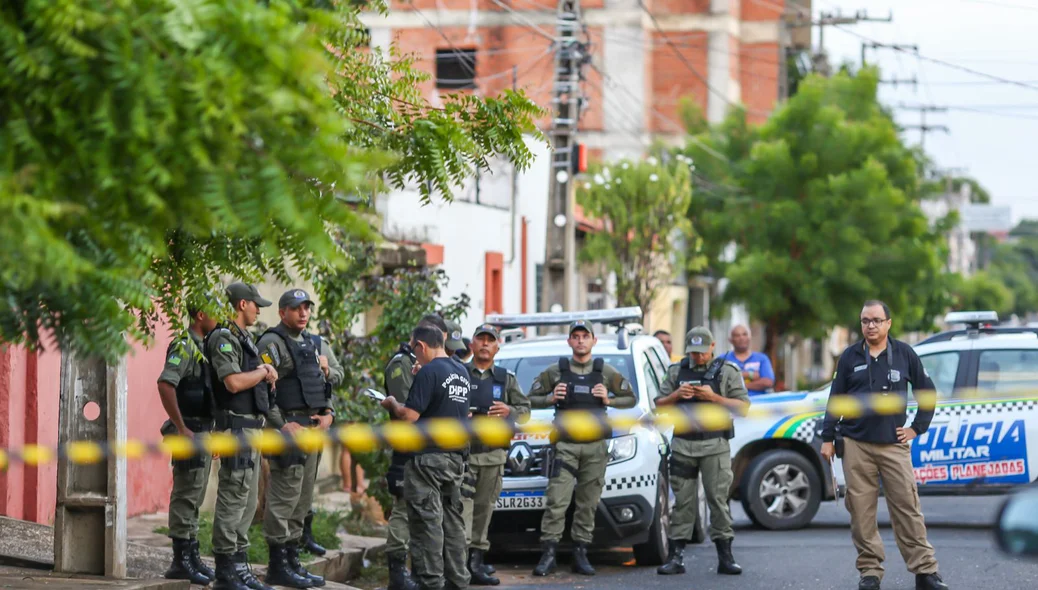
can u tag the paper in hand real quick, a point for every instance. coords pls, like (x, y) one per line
(375, 394)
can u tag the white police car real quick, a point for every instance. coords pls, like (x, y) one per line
(983, 437)
(635, 505)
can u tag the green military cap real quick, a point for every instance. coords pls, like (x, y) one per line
(487, 329)
(581, 325)
(454, 337)
(244, 292)
(698, 339)
(293, 298)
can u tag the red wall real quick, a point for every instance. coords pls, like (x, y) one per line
(29, 384)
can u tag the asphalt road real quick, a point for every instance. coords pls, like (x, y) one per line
(818, 557)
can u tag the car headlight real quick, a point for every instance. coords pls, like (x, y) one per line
(622, 448)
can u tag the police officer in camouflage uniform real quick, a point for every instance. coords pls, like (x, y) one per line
(398, 377)
(307, 370)
(494, 392)
(577, 383)
(433, 477)
(702, 379)
(187, 396)
(241, 384)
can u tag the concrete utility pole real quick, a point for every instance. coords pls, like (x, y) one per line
(820, 59)
(560, 277)
(90, 517)
(894, 46)
(922, 126)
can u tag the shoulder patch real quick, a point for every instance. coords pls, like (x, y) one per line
(398, 372)
(272, 356)
(226, 347)
(174, 360)
(266, 359)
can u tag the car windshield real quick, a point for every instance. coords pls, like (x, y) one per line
(527, 369)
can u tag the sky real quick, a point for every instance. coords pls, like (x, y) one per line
(993, 126)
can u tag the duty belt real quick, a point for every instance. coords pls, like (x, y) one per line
(232, 422)
(198, 424)
(301, 419)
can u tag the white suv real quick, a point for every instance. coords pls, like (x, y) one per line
(635, 505)
(976, 444)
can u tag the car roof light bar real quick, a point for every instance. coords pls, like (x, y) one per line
(597, 316)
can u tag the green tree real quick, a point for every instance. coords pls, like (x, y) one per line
(641, 205)
(821, 205)
(982, 291)
(152, 148)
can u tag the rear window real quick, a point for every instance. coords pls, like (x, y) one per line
(527, 369)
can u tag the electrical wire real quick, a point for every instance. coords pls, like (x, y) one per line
(522, 18)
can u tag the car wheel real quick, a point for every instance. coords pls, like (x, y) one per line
(781, 490)
(654, 551)
(700, 527)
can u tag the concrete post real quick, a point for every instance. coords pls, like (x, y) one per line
(90, 519)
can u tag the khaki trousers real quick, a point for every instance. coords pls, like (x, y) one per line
(864, 464)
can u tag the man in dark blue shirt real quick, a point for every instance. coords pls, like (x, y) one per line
(877, 447)
(433, 477)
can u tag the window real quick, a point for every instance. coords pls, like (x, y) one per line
(1007, 370)
(527, 369)
(455, 68)
(652, 379)
(942, 367)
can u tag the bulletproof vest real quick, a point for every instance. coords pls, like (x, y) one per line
(486, 390)
(711, 375)
(304, 387)
(250, 401)
(578, 387)
(404, 350)
(194, 393)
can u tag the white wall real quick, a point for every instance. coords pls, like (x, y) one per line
(467, 231)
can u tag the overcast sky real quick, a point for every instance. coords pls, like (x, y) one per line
(997, 37)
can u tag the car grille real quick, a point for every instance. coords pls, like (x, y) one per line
(527, 461)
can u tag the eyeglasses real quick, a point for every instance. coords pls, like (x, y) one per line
(872, 321)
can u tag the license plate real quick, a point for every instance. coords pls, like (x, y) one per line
(521, 500)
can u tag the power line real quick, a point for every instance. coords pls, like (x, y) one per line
(454, 48)
(946, 63)
(522, 18)
(1001, 4)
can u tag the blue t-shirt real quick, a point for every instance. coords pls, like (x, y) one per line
(758, 363)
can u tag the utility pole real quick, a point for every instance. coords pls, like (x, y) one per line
(559, 286)
(820, 59)
(894, 46)
(922, 126)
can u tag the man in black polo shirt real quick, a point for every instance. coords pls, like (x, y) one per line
(878, 447)
(432, 478)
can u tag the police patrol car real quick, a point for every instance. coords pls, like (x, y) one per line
(983, 437)
(635, 505)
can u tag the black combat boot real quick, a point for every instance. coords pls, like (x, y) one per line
(547, 563)
(196, 560)
(725, 562)
(182, 568)
(580, 563)
(292, 551)
(929, 582)
(675, 559)
(869, 583)
(279, 573)
(227, 577)
(480, 577)
(399, 577)
(308, 544)
(244, 569)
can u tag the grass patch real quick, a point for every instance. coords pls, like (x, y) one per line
(325, 526)
(374, 576)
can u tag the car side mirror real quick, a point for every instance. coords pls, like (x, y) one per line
(1017, 525)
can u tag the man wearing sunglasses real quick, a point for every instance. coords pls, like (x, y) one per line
(877, 446)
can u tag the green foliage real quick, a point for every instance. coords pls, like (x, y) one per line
(821, 203)
(153, 148)
(1013, 266)
(640, 205)
(984, 292)
(403, 296)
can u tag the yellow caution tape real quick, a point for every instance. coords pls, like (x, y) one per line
(578, 426)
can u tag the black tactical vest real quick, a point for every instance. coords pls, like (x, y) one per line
(486, 390)
(250, 401)
(578, 387)
(305, 387)
(709, 376)
(194, 394)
